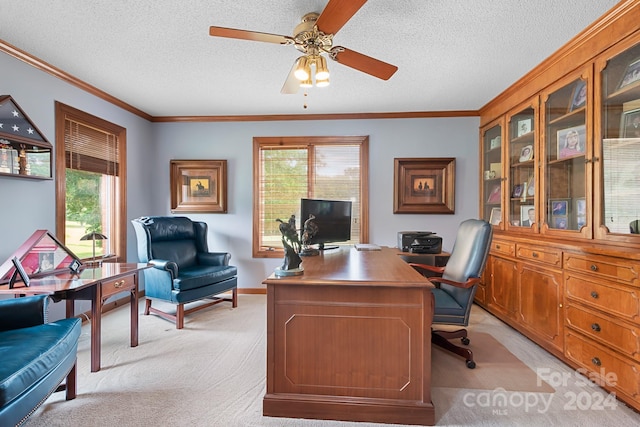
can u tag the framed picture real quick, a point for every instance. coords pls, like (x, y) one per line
(524, 127)
(424, 185)
(526, 153)
(75, 266)
(495, 142)
(527, 215)
(495, 194)
(531, 187)
(580, 210)
(579, 96)
(631, 74)
(496, 216)
(631, 124)
(572, 141)
(517, 191)
(559, 213)
(19, 271)
(199, 186)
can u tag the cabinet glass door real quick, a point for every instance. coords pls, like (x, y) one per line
(491, 187)
(521, 183)
(617, 175)
(566, 144)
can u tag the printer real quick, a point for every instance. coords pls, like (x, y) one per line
(419, 242)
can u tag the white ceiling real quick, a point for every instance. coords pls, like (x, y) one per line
(157, 55)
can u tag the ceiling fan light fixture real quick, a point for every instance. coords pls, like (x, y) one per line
(322, 72)
(303, 69)
(322, 82)
(306, 83)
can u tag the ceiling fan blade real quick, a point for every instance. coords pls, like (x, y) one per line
(232, 33)
(292, 84)
(336, 14)
(363, 63)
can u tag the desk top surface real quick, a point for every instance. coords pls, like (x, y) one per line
(68, 281)
(347, 266)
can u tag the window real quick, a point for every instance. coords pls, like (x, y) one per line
(91, 178)
(287, 169)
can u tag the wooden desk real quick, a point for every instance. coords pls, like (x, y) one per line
(92, 284)
(350, 340)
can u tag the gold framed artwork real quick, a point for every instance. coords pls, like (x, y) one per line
(424, 185)
(199, 186)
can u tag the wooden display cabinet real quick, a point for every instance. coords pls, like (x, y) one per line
(491, 182)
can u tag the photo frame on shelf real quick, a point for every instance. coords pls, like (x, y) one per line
(631, 74)
(496, 216)
(524, 127)
(198, 186)
(495, 194)
(424, 185)
(631, 124)
(526, 153)
(578, 96)
(527, 215)
(495, 142)
(559, 214)
(571, 142)
(531, 187)
(517, 191)
(580, 210)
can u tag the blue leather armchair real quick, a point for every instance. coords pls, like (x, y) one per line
(183, 270)
(457, 282)
(35, 357)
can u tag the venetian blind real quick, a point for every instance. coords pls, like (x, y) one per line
(89, 149)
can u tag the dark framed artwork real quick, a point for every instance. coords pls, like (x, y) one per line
(424, 185)
(579, 95)
(199, 186)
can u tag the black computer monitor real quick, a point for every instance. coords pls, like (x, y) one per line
(333, 220)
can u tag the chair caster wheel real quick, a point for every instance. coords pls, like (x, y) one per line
(465, 340)
(471, 364)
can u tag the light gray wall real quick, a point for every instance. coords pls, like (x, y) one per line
(29, 204)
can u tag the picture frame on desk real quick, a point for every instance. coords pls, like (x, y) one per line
(424, 185)
(19, 271)
(198, 186)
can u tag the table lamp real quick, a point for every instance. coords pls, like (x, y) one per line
(94, 236)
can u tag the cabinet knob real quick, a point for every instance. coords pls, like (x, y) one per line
(595, 327)
(497, 246)
(594, 267)
(594, 294)
(534, 254)
(596, 361)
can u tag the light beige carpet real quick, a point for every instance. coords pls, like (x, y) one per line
(212, 374)
(496, 367)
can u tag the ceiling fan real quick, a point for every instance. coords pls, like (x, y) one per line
(314, 37)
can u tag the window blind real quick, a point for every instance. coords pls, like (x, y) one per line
(89, 149)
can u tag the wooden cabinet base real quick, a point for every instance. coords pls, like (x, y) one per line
(348, 409)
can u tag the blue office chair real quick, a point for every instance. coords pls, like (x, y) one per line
(456, 284)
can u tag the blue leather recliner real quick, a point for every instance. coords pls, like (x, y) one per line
(35, 357)
(183, 270)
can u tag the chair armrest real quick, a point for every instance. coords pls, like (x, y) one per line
(214, 258)
(427, 270)
(469, 283)
(165, 265)
(16, 313)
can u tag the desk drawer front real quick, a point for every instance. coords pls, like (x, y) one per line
(549, 255)
(603, 362)
(619, 270)
(623, 337)
(609, 297)
(505, 248)
(116, 286)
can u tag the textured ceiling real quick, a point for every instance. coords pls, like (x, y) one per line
(157, 55)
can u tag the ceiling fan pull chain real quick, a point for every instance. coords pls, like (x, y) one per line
(305, 100)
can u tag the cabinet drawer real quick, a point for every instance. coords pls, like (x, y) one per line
(609, 297)
(624, 374)
(116, 286)
(502, 247)
(621, 336)
(618, 269)
(547, 255)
